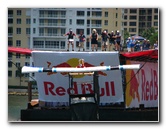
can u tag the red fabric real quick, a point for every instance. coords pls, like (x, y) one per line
(20, 50)
(147, 53)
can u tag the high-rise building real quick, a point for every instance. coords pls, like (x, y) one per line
(136, 20)
(18, 36)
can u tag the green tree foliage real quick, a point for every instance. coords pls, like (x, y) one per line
(150, 34)
(126, 34)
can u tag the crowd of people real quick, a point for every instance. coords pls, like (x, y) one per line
(109, 41)
(136, 45)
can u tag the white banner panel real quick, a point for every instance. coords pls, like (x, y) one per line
(54, 87)
(143, 87)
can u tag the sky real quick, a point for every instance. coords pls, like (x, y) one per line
(4, 4)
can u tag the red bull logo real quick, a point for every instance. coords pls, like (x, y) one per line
(73, 62)
(143, 87)
(132, 88)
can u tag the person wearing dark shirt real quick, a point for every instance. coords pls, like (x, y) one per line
(143, 46)
(81, 41)
(118, 40)
(104, 37)
(112, 38)
(70, 39)
(94, 40)
(148, 45)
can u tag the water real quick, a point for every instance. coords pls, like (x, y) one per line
(15, 104)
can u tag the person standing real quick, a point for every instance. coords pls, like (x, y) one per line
(128, 44)
(155, 46)
(81, 41)
(132, 42)
(94, 40)
(104, 37)
(112, 38)
(148, 45)
(118, 40)
(70, 39)
(143, 46)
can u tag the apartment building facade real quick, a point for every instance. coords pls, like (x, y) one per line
(18, 36)
(136, 20)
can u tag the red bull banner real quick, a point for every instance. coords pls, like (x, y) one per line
(54, 87)
(142, 87)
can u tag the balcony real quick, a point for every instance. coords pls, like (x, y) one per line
(51, 16)
(52, 24)
(51, 35)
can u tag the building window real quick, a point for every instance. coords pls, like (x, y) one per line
(52, 44)
(18, 21)
(133, 10)
(38, 44)
(155, 23)
(80, 22)
(149, 24)
(116, 15)
(34, 30)
(10, 13)
(155, 10)
(18, 64)
(106, 14)
(132, 24)
(18, 31)
(18, 12)
(34, 20)
(28, 21)
(87, 31)
(41, 31)
(9, 73)
(70, 21)
(26, 75)
(106, 22)
(132, 29)
(125, 10)
(155, 17)
(63, 44)
(133, 17)
(9, 56)
(63, 31)
(27, 64)
(10, 31)
(125, 17)
(80, 13)
(116, 23)
(10, 43)
(52, 31)
(17, 55)
(149, 11)
(18, 43)
(10, 21)
(17, 73)
(78, 31)
(28, 31)
(27, 56)
(9, 64)
(88, 13)
(125, 23)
